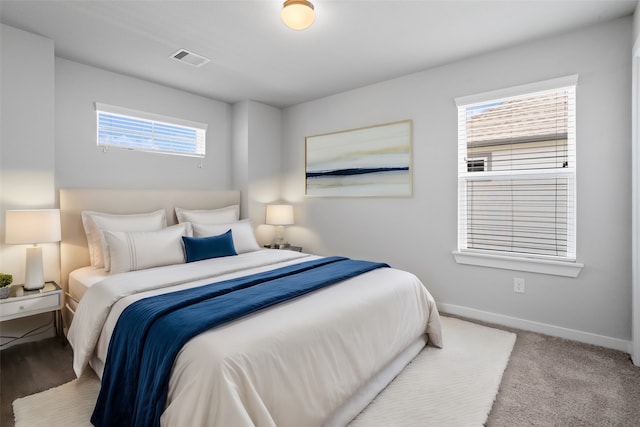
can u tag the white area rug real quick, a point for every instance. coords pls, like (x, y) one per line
(450, 387)
(453, 386)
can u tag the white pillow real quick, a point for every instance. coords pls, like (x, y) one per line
(137, 250)
(243, 238)
(210, 216)
(94, 222)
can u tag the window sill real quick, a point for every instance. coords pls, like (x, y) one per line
(556, 268)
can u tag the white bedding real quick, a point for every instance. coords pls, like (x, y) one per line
(82, 279)
(292, 365)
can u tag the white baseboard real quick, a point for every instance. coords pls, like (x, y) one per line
(542, 328)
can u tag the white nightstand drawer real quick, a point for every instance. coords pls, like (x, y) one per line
(24, 307)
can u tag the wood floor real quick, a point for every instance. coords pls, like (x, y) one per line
(32, 367)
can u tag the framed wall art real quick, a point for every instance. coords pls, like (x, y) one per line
(374, 161)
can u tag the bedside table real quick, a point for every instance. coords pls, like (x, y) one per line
(287, 247)
(22, 303)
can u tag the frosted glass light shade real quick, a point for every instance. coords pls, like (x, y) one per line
(32, 226)
(298, 14)
(279, 214)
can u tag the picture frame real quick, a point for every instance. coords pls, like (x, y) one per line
(373, 161)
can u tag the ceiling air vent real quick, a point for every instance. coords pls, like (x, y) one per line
(190, 58)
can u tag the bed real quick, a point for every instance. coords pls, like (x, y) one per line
(315, 360)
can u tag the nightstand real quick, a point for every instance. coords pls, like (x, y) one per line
(287, 247)
(22, 303)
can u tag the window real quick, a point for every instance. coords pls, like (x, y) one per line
(138, 130)
(477, 164)
(516, 172)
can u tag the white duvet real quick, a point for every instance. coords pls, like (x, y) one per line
(291, 365)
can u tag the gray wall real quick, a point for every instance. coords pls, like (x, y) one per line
(419, 233)
(27, 150)
(636, 23)
(635, 353)
(80, 163)
(256, 153)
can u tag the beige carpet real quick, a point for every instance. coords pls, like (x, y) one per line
(454, 386)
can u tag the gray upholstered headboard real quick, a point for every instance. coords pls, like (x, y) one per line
(74, 252)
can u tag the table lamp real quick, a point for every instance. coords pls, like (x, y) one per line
(32, 227)
(279, 215)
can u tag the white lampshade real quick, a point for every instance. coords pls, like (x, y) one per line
(33, 227)
(279, 214)
(298, 14)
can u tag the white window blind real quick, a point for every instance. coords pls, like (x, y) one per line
(138, 130)
(516, 172)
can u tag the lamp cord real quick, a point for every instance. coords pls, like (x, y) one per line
(30, 333)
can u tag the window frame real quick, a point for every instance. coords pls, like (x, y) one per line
(153, 119)
(563, 266)
(474, 165)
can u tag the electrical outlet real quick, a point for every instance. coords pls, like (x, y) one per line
(518, 285)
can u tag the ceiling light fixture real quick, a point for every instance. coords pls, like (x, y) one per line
(297, 14)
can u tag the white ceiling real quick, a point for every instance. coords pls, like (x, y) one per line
(254, 56)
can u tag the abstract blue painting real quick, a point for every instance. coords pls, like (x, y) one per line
(368, 162)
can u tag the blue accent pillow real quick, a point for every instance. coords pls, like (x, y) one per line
(199, 248)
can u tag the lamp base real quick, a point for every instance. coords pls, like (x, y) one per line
(34, 271)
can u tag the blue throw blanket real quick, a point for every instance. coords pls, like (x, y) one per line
(150, 332)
